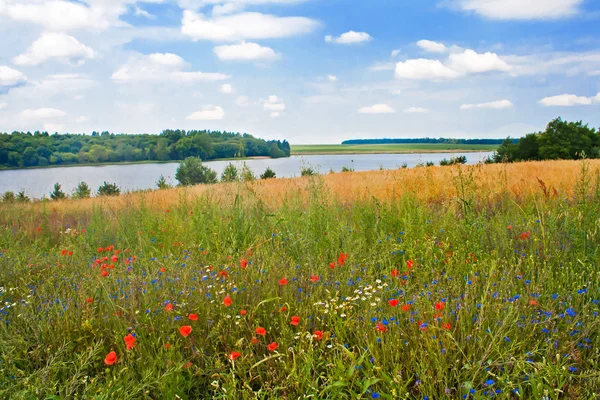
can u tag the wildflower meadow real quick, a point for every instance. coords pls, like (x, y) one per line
(478, 292)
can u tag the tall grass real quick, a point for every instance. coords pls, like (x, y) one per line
(471, 290)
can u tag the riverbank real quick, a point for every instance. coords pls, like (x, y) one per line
(333, 149)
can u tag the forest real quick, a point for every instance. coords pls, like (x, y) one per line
(40, 149)
(423, 140)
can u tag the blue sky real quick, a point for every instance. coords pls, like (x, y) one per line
(310, 71)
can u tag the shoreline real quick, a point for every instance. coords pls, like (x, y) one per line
(358, 152)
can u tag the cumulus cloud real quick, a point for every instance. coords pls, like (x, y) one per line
(519, 9)
(569, 100)
(470, 61)
(226, 88)
(54, 85)
(10, 76)
(42, 113)
(395, 53)
(497, 105)
(274, 103)
(423, 69)
(349, 37)
(332, 78)
(162, 67)
(207, 113)
(432, 47)
(377, 109)
(416, 110)
(59, 46)
(246, 52)
(242, 26)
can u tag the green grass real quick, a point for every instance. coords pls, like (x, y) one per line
(517, 281)
(386, 148)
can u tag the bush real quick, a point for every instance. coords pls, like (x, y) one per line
(347, 169)
(246, 174)
(268, 174)
(453, 161)
(57, 193)
(429, 164)
(22, 198)
(162, 183)
(8, 197)
(82, 191)
(230, 174)
(192, 172)
(109, 189)
(307, 171)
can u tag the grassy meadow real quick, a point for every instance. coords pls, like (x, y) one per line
(388, 148)
(463, 282)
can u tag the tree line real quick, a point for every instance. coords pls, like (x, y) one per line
(561, 140)
(423, 141)
(40, 149)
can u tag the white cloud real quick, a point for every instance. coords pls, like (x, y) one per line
(10, 76)
(246, 52)
(569, 100)
(243, 26)
(382, 66)
(3, 105)
(226, 88)
(423, 69)
(470, 61)
(161, 67)
(332, 78)
(242, 101)
(207, 113)
(349, 37)
(54, 85)
(274, 103)
(497, 105)
(142, 13)
(42, 113)
(377, 109)
(416, 110)
(395, 53)
(521, 9)
(275, 114)
(432, 47)
(58, 46)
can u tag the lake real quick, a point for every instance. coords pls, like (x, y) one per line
(39, 182)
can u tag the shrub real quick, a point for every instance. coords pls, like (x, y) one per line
(307, 171)
(22, 198)
(246, 174)
(347, 169)
(192, 172)
(109, 189)
(57, 193)
(82, 191)
(268, 174)
(162, 183)
(430, 164)
(8, 197)
(230, 174)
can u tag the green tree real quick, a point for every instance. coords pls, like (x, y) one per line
(82, 191)
(192, 172)
(30, 157)
(529, 147)
(275, 151)
(22, 198)
(57, 193)
(246, 174)
(268, 174)
(162, 183)
(230, 174)
(566, 140)
(8, 197)
(109, 189)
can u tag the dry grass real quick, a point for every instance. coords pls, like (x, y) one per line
(432, 184)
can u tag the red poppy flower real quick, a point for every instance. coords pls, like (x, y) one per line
(114, 258)
(104, 273)
(63, 252)
(193, 317)
(39, 228)
(169, 307)
(167, 346)
(110, 358)
(227, 301)
(243, 263)
(185, 330)
(533, 302)
(188, 364)
(89, 300)
(342, 259)
(233, 355)
(318, 335)
(405, 307)
(261, 331)
(410, 264)
(446, 326)
(332, 265)
(223, 273)
(283, 309)
(295, 320)
(393, 302)
(314, 278)
(439, 306)
(272, 346)
(254, 340)
(380, 327)
(130, 341)
(283, 281)
(509, 227)
(70, 253)
(242, 312)
(395, 273)
(163, 269)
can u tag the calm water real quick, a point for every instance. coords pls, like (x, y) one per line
(39, 182)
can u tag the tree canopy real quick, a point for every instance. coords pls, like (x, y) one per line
(26, 149)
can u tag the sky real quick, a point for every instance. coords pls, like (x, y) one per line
(309, 71)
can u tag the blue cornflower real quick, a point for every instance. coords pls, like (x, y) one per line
(489, 382)
(375, 395)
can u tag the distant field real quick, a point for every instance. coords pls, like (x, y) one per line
(387, 148)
